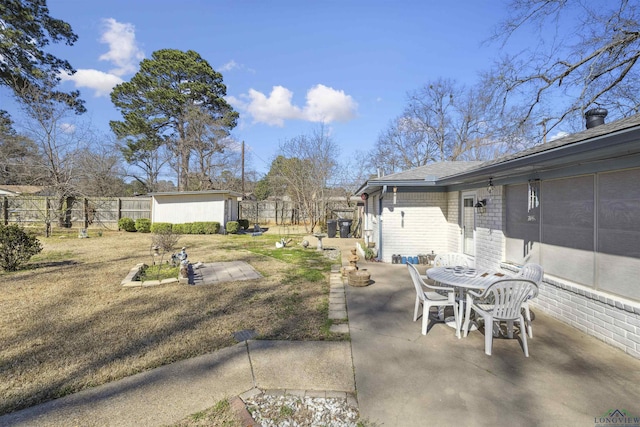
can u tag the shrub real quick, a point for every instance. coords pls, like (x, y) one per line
(232, 227)
(165, 239)
(205, 227)
(16, 247)
(183, 228)
(244, 223)
(197, 228)
(126, 224)
(212, 227)
(161, 227)
(143, 225)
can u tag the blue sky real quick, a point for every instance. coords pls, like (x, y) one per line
(288, 65)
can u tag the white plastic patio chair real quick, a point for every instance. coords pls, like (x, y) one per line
(450, 260)
(429, 298)
(535, 273)
(508, 296)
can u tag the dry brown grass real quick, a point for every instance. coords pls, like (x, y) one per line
(66, 323)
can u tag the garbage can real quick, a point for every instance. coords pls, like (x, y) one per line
(345, 227)
(332, 227)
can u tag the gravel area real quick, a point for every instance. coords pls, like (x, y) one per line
(290, 410)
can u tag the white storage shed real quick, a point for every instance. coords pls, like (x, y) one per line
(195, 206)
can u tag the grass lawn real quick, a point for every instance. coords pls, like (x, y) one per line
(67, 324)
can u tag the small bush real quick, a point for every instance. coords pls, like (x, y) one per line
(183, 228)
(161, 227)
(244, 223)
(212, 227)
(232, 227)
(205, 227)
(143, 225)
(197, 228)
(16, 247)
(165, 239)
(126, 224)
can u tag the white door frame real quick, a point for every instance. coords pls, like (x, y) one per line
(466, 221)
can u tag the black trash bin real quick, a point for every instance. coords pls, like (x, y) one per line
(345, 227)
(332, 227)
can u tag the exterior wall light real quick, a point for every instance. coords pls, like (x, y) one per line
(481, 206)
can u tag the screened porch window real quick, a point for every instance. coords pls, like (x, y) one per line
(584, 229)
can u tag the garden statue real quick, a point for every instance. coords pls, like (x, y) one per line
(353, 259)
(184, 268)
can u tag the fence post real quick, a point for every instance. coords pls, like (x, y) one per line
(85, 208)
(5, 210)
(119, 209)
(47, 220)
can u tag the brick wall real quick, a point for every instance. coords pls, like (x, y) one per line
(490, 241)
(453, 220)
(613, 320)
(416, 224)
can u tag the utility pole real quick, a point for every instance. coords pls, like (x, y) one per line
(242, 169)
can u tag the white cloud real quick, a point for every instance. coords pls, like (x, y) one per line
(230, 66)
(233, 65)
(102, 83)
(123, 49)
(558, 135)
(323, 104)
(123, 52)
(67, 128)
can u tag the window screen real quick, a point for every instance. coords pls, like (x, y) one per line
(619, 213)
(568, 228)
(567, 206)
(522, 224)
(618, 257)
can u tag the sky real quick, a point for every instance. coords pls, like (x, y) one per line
(288, 65)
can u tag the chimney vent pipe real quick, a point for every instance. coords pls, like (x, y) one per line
(595, 117)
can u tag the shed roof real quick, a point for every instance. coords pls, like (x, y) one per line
(189, 193)
(21, 189)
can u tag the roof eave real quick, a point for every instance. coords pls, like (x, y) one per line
(626, 141)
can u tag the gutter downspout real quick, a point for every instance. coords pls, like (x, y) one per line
(384, 191)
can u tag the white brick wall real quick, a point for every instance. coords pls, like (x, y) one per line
(416, 224)
(490, 240)
(453, 219)
(613, 320)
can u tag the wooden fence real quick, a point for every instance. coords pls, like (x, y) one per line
(284, 212)
(76, 212)
(106, 211)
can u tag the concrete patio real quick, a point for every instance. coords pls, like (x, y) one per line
(404, 378)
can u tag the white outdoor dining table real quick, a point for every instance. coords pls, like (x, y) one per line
(446, 276)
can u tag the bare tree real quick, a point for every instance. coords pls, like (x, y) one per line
(48, 126)
(100, 172)
(306, 164)
(446, 121)
(586, 56)
(213, 154)
(18, 154)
